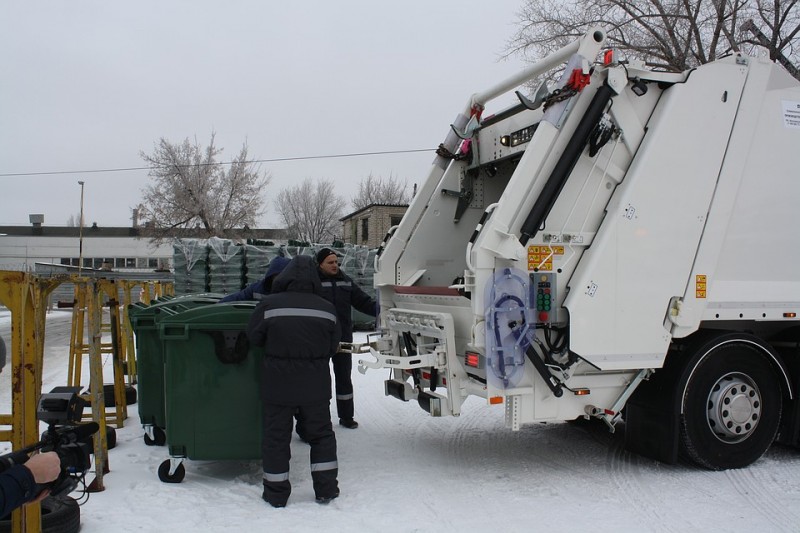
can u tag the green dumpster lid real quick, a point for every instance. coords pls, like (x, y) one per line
(148, 315)
(224, 315)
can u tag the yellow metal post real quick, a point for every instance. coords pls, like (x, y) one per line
(147, 289)
(76, 345)
(127, 330)
(96, 387)
(101, 291)
(25, 297)
(108, 289)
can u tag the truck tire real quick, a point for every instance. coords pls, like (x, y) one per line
(731, 405)
(111, 438)
(60, 514)
(108, 395)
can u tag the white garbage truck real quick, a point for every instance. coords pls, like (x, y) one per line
(623, 245)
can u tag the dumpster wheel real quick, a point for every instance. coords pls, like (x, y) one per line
(159, 437)
(176, 477)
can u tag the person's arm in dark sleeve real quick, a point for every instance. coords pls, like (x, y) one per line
(17, 486)
(245, 294)
(362, 301)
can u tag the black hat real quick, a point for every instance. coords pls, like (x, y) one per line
(322, 254)
(276, 266)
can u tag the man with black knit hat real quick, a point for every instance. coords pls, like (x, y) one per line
(343, 293)
(299, 332)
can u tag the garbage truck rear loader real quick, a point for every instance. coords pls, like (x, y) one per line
(624, 245)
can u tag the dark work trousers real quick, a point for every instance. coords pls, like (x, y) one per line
(342, 368)
(276, 450)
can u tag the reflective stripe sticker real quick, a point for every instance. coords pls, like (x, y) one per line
(344, 396)
(337, 283)
(275, 478)
(319, 467)
(291, 311)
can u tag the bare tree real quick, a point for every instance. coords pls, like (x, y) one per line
(782, 38)
(377, 190)
(74, 221)
(669, 34)
(191, 188)
(311, 210)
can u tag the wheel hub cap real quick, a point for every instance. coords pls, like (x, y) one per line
(734, 407)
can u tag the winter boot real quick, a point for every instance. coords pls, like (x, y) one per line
(349, 423)
(324, 500)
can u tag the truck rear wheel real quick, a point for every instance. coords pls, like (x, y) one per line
(731, 405)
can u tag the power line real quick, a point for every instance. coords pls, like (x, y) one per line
(274, 160)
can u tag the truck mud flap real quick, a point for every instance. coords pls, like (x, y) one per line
(399, 389)
(431, 402)
(652, 425)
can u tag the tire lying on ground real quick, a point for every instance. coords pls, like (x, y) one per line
(108, 394)
(60, 514)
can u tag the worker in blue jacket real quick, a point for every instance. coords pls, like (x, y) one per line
(339, 289)
(262, 287)
(299, 332)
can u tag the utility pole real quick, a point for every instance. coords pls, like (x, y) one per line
(80, 235)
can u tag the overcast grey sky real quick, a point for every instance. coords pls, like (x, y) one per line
(88, 84)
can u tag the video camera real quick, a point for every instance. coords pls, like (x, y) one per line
(62, 412)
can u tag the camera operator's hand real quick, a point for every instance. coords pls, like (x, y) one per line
(24, 479)
(45, 467)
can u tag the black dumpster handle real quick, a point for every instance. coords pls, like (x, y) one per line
(230, 346)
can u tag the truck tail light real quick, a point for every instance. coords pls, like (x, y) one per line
(427, 375)
(472, 359)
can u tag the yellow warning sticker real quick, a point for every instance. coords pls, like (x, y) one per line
(700, 286)
(541, 257)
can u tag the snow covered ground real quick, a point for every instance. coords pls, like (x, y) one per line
(404, 471)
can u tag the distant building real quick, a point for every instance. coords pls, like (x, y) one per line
(119, 249)
(369, 225)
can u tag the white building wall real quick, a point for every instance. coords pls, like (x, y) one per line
(22, 252)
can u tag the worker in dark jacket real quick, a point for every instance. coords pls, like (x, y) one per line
(343, 293)
(259, 289)
(299, 332)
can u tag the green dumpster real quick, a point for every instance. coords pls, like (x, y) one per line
(150, 359)
(211, 379)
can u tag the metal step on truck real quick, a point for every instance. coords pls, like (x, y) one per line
(624, 245)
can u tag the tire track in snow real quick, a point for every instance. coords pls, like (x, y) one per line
(633, 479)
(624, 470)
(634, 476)
(479, 450)
(395, 450)
(757, 489)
